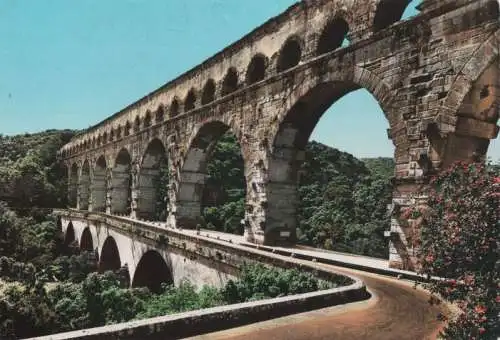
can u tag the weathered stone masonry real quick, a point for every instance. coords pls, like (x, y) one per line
(435, 76)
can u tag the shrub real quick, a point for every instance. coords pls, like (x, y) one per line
(459, 242)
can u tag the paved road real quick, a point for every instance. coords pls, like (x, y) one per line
(396, 311)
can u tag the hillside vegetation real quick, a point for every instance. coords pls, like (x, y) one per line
(29, 173)
(342, 200)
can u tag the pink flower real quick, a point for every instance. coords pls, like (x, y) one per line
(482, 330)
(479, 309)
(497, 299)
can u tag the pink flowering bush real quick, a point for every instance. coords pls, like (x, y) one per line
(459, 241)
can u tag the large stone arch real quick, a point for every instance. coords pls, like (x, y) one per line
(286, 142)
(469, 114)
(152, 271)
(109, 258)
(99, 185)
(188, 180)
(121, 183)
(152, 164)
(85, 186)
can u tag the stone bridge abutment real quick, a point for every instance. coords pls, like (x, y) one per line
(435, 76)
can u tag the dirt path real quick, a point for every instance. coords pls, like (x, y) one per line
(396, 311)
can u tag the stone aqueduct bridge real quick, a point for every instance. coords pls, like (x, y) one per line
(435, 76)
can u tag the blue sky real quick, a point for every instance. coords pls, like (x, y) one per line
(70, 64)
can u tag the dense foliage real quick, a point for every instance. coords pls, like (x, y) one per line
(29, 173)
(342, 200)
(460, 242)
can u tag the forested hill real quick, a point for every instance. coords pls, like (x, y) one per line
(29, 173)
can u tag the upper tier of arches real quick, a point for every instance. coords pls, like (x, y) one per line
(294, 45)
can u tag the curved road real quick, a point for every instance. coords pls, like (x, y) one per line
(395, 311)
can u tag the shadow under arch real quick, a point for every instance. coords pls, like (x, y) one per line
(194, 173)
(110, 256)
(152, 271)
(85, 186)
(69, 236)
(288, 153)
(99, 187)
(153, 181)
(86, 242)
(73, 186)
(122, 180)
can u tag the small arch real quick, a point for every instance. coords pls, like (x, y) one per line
(69, 236)
(137, 124)
(121, 182)
(110, 256)
(208, 95)
(119, 132)
(126, 132)
(99, 186)
(332, 36)
(99, 140)
(85, 186)
(160, 114)
(153, 174)
(152, 271)
(112, 135)
(86, 242)
(290, 54)
(147, 119)
(104, 138)
(256, 69)
(230, 82)
(73, 186)
(388, 12)
(94, 142)
(174, 108)
(190, 102)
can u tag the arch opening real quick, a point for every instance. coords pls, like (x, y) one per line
(152, 271)
(230, 82)
(212, 192)
(389, 12)
(333, 36)
(85, 186)
(256, 69)
(208, 95)
(86, 242)
(334, 200)
(73, 186)
(110, 256)
(69, 236)
(174, 108)
(160, 114)
(190, 102)
(137, 124)
(147, 119)
(99, 187)
(290, 55)
(121, 182)
(153, 183)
